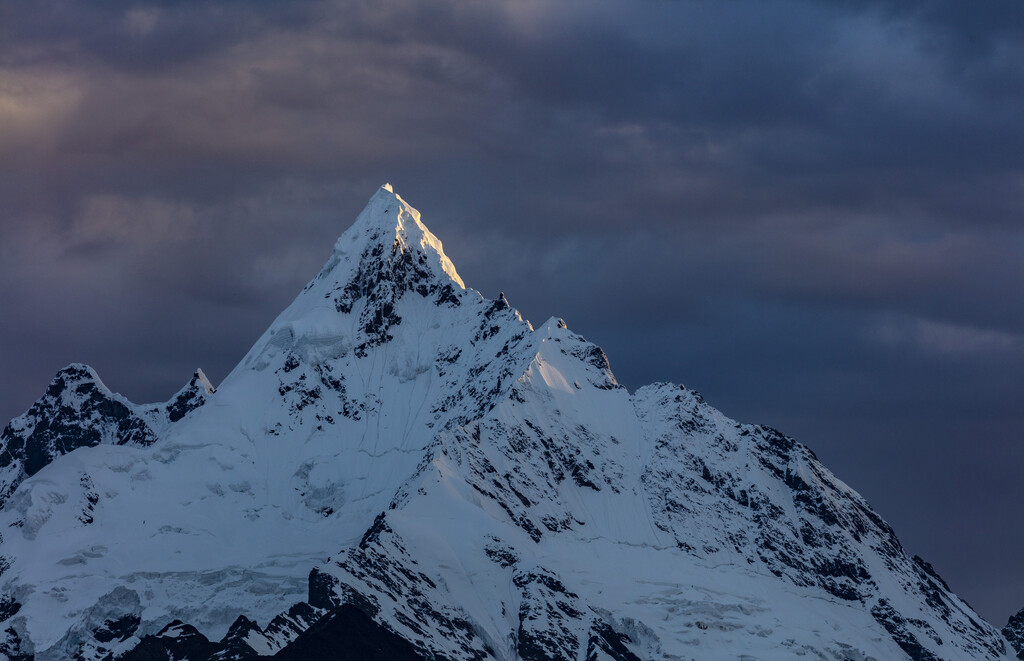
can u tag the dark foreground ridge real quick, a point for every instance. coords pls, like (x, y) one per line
(345, 632)
(351, 631)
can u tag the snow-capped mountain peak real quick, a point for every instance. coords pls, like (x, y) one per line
(387, 253)
(390, 222)
(467, 487)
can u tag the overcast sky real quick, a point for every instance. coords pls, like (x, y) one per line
(811, 212)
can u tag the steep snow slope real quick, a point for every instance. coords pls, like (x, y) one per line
(573, 515)
(487, 490)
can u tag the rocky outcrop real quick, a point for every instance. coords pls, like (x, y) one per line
(78, 411)
(1014, 633)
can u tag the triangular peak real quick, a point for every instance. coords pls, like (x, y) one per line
(391, 222)
(384, 256)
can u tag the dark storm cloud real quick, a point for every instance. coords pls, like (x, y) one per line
(138, 36)
(809, 211)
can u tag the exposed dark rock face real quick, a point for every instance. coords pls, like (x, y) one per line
(898, 627)
(344, 632)
(233, 647)
(388, 268)
(547, 617)
(9, 607)
(106, 641)
(77, 411)
(329, 630)
(189, 398)
(11, 646)
(349, 633)
(175, 642)
(612, 643)
(1014, 633)
(287, 626)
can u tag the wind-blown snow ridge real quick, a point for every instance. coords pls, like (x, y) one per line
(470, 485)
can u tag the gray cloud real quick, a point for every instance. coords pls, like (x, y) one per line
(809, 211)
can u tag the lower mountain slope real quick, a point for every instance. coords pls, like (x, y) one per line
(402, 464)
